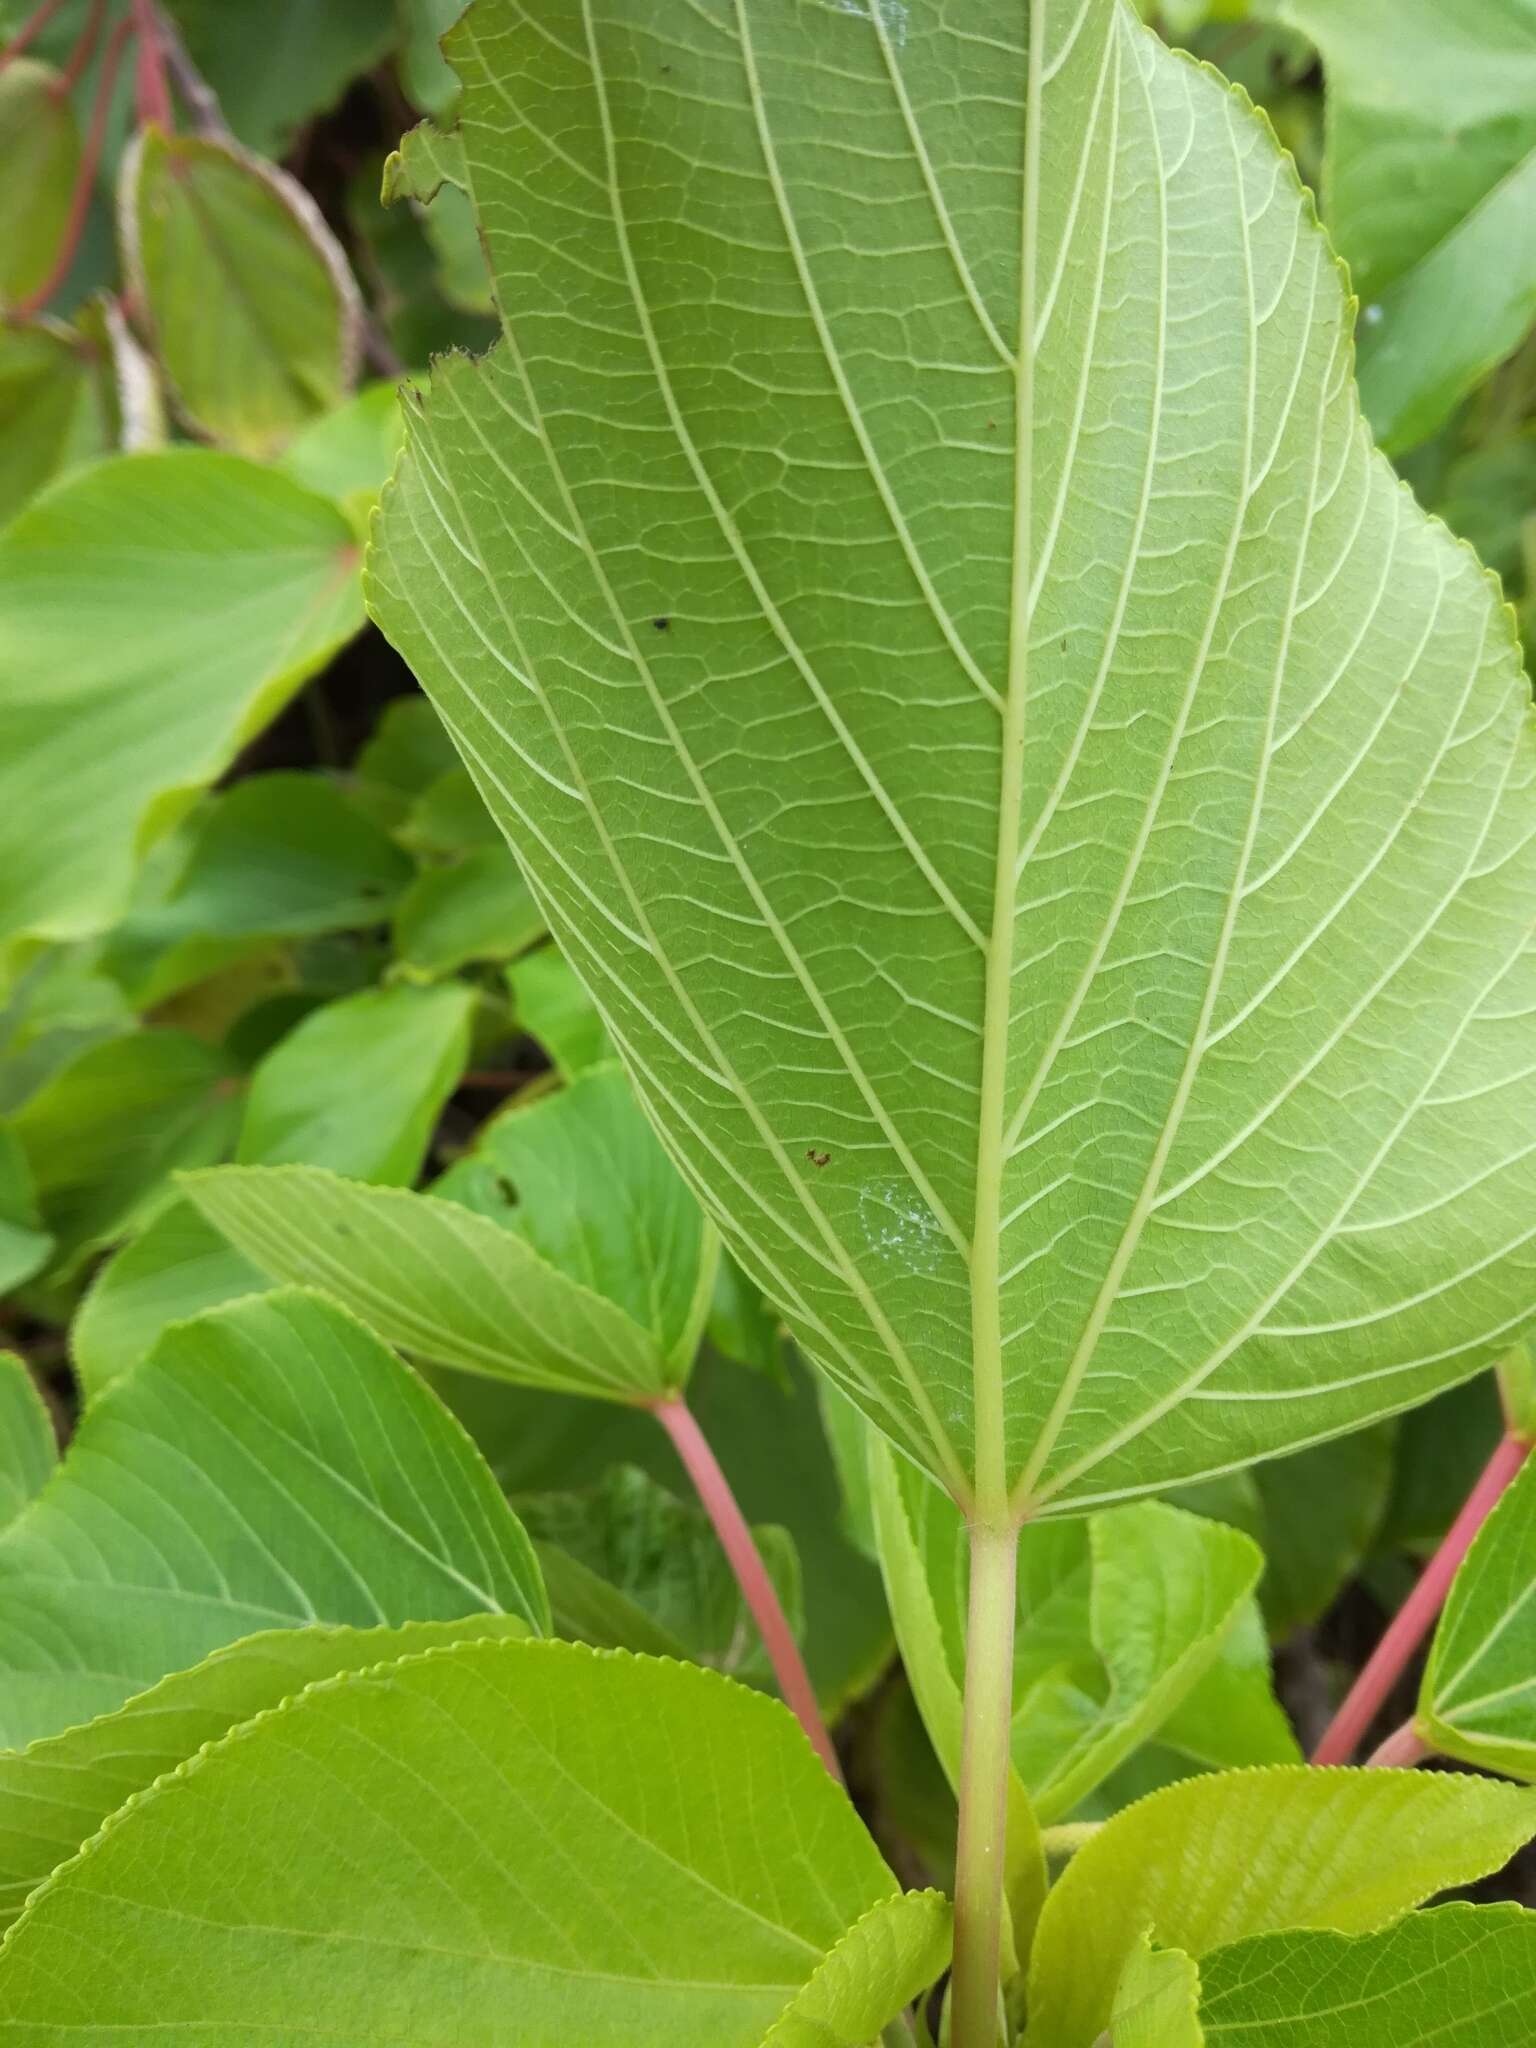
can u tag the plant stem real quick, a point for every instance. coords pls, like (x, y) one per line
(1069, 1837)
(757, 1589)
(984, 1764)
(1416, 1616)
(29, 31)
(153, 88)
(1403, 1748)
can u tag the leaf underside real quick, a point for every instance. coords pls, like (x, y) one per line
(1045, 820)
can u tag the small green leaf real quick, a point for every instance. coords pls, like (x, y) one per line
(881, 1964)
(28, 1448)
(449, 819)
(103, 1137)
(1455, 1977)
(40, 149)
(175, 1268)
(406, 753)
(525, 1842)
(269, 1464)
(550, 1003)
(59, 404)
(55, 1794)
(255, 315)
(1216, 1859)
(25, 1246)
(631, 1567)
(282, 856)
(1478, 1697)
(1157, 2001)
(428, 158)
(226, 586)
(479, 908)
(359, 1085)
(347, 454)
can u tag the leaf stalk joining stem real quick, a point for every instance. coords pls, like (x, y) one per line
(746, 1561)
(984, 1764)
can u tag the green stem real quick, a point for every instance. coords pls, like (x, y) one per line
(984, 1764)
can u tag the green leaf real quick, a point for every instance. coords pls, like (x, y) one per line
(433, 1278)
(427, 170)
(59, 404)
(631, 1567)
(922, 684)
(1322, 1509)
(1157, 2000)
(407, 751)
(1217, 1859)
(175, 1268)
(359, 1085)
(28, 1448)
(550, 1003)
(284, 856)
(1441, 1449)
(881, 1964)
(1430, 190)
(1456, 1977)
(347, 454)
(226, 587)
(25, 1246)
(533, 1852)
(480, 908)
(40, 148)
(256, 319)
(54, 1795)
(428, 82)
(448, 819)
(275, 66)
(1478, 1697)
(269, 1464)
(103, 1137)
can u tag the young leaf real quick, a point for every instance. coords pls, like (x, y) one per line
(359, 1085)
(526, 1842)
(347, 454)
(1216, 1859)
(25, 1246)
(58, 405)
(254, 312)
(1445, 258)
(1455, 1977)
(478, 908)
(225, 586)
(978, 656)
(268, 1464)
(1478, 1698)
(40, 148)
(1157, 2000)
(28, 1447)
(54, 1795)
(893, 1954)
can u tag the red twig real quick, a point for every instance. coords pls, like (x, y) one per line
(29, 31)
(1416, 1616)
(1403, 1748)
(84, 50)
(151, 87)
(85, 177)
(736, 1540)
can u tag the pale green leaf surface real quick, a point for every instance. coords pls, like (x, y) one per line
(1061, 878)
(433, 1278)
(881, 1964)
(40, 148)
(358, 1085)
(549, 1001)
(58, 1792)
(1157, 2000)
(347, 454)
(175, 1268)
(103, 1136)
(540, 1844)
(158, 611)
(1455, 1977)
(1217, 1859)
(56, 408)
(28, 1448)
(25, 1245)
(1478, 1697)
(269, 1465)
(478, 908)
(255, 315)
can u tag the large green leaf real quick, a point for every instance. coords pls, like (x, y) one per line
(55, 1794)
(254, 312)
(1044, 819)
(1430, 190)
(269, 1464)
(511, 1843)
(895, 1952)
(1218, 1859)
(1478, 1698)
(1457, 1977)
(157, 611)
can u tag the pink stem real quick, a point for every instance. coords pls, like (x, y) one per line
(714, 1491)
(1416, 1616)
(85, 177)
(1403, 1748)
(151, 86)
